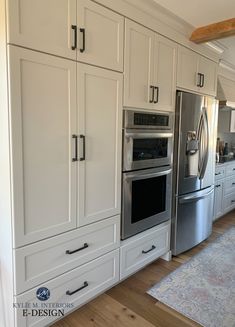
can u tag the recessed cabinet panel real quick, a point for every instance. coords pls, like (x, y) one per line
(43, 25)
(138, 70)
(208, 68)
(100, 31)
(100, 119)
(165, 73)
(43, 110)
(187, 69)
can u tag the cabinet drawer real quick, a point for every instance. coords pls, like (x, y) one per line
(88, 281)
(39, 262)
(219, 172)
(143, 248)
(230, 170)
(229, 185)
(229, 202)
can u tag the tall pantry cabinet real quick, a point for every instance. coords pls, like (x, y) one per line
(64, 134)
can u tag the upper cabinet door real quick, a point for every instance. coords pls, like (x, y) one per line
(44, 25)
(187, 69)
(209, 69)
(165, 74)
(100, 35)
(43, 120)
(138, 66)
(100, 129)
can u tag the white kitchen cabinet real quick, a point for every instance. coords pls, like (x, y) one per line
(77, 29)
(187, 69)
(44, 25)
(72, 289)
(64, 252)
(139, 250)
(165, 73)
(100, 121)
(195, 72)
(149, 72)
(101, 35)
(138, 69)
(208, 69)
(218, 204)
(43, 120)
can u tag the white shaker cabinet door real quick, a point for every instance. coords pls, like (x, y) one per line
(187, 69)
(138, 66)
(165, 73)
(43, 119)
(44, 25)
(100, 129)
(100, 35)
(209, 69)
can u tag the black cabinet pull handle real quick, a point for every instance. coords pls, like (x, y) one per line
(77, 250)
(199, 79)
(74, 46)
(233, 168)
(83, 147)
(232, 201)
(151, 249)
(82, 30)
(216, 174)
(233, 183)
(152, 94)
(157, 94)
(218, 185)
(75, 137)
(203, 80)
(85, 284)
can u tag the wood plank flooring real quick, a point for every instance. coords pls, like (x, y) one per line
(128, 305)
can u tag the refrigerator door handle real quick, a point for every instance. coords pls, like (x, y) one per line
(205, 126)
(193, 198)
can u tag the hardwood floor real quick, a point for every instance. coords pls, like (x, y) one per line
(127, 304)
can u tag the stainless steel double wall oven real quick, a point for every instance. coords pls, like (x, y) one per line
(147, 171)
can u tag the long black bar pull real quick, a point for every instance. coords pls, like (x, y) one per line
(82, 49)
(74, 46)
(85, 284)
(151, 249)
(85, 246)
(83, 147)
(75, 158)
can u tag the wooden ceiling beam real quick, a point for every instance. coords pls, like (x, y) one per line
(214, 31)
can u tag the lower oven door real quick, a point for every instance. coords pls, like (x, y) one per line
(146, 199)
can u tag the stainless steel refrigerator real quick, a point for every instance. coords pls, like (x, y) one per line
(194, 169)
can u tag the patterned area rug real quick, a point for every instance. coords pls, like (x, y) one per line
(203, 289)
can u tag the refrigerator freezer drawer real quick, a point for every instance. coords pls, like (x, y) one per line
(193, 222)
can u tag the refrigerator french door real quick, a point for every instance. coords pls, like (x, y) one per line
(194, 168)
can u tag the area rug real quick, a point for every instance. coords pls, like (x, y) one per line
(203, 289)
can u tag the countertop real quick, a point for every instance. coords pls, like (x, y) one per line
(226, 162)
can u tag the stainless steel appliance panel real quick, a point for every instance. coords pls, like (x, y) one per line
(146, 199)
(188, 111)
(194, 220)
(146, 149)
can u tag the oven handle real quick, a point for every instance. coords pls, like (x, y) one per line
(138, 176)
(147, 135)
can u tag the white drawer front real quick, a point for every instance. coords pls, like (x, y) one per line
(229, 202)
(141, 249)
(99, 274)
(39, 262)
(230, 170)
(219, 172)
(230, 185)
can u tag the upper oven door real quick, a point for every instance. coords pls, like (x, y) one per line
(145, 149)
